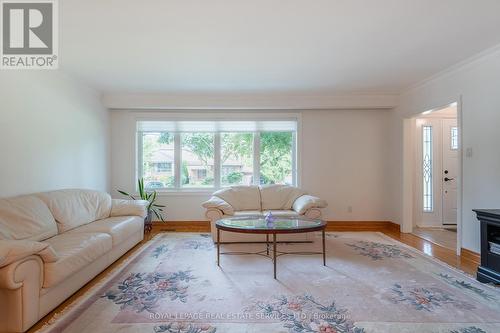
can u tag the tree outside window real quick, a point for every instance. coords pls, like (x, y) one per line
(276, 157)
(236, 159)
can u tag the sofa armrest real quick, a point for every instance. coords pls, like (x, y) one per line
(14, 250)
(214, 214)
(20, 285)
(313, 213)
(13, 275)
(121, 207)
(303, 203)
(217, 203)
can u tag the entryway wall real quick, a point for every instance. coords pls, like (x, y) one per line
(474, 84)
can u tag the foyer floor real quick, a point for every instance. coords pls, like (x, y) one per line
(443, 237)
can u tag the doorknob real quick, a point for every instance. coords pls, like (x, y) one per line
(446, 179)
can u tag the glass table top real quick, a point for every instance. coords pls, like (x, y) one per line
(279, 223)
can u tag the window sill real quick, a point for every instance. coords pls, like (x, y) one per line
(186, 192)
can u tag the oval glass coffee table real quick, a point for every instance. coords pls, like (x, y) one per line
(258, 225)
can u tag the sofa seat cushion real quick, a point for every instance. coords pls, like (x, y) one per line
(73, 207)
(14, 250)
(241, 197)
(281, 213)
(248, 213)
(26, 218)
(120, 228)
(75, 251)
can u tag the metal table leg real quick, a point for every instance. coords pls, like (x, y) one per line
(218, 247)
(324, 247)
(274, 254)
(267, 244)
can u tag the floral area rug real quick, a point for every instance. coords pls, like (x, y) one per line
(371, 284)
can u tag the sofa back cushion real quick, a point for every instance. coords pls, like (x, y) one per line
(74, 207)
(279, 197)
(26, 218)
(241, 197)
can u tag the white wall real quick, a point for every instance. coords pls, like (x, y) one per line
(477, 82)
(344, 159)
(54, 133)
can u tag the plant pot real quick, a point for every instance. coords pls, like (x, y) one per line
(148, 222)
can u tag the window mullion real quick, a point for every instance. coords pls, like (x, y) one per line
(294, 160)
(177, 159)
(217, 160)
(256, 158)
(140, 159)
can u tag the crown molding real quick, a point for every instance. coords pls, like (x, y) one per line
(469, 62)
(249, 101)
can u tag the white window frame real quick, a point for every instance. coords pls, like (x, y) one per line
(217, 165)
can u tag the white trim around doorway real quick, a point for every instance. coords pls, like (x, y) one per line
(409, 165)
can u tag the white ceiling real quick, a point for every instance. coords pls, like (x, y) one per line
(271, 46)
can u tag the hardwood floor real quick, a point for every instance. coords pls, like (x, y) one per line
(466, 263)
(440, 236)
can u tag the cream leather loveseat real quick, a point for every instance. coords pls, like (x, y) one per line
(53, 243)
(280, 200)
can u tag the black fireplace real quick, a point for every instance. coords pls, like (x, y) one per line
(489, 271)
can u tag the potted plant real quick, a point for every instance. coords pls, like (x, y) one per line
(153, 207)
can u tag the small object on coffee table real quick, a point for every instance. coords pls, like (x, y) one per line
(269, 218)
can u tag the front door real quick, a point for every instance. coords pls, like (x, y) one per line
(450, 171)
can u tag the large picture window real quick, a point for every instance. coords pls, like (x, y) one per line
(176, 155)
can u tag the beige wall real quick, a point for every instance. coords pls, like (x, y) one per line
(54, 133)
(343, 159)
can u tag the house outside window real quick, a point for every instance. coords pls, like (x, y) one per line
(164, 167)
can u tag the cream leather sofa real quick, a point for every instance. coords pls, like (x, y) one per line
(280, 200)
(53, 243)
